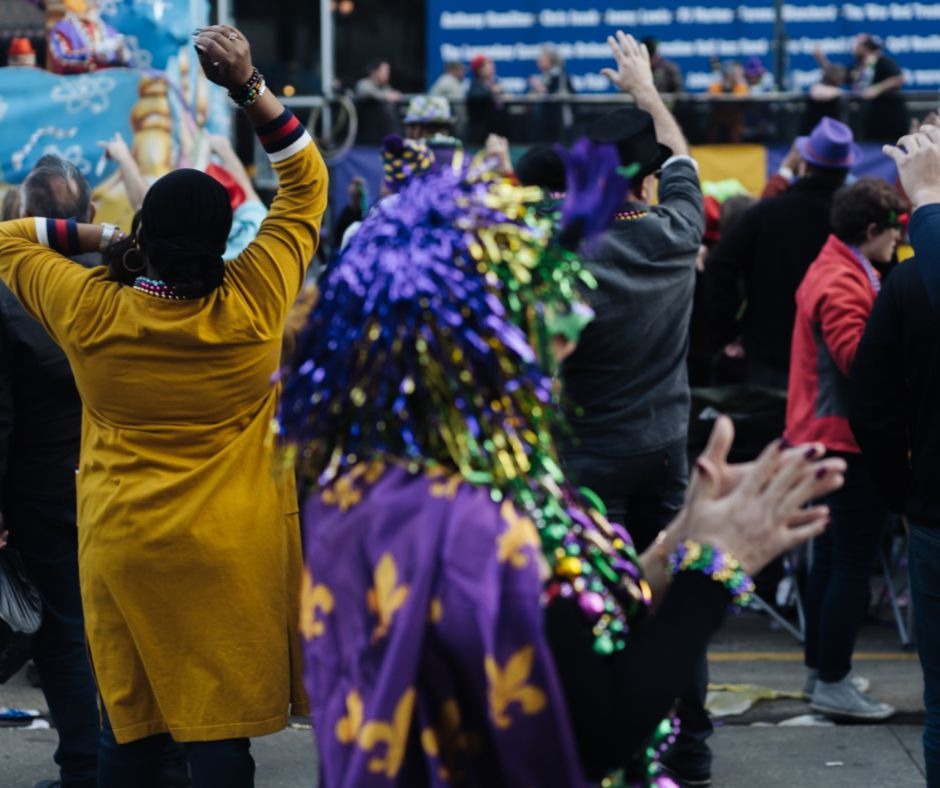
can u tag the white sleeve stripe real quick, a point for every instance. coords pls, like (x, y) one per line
(674, 159)
(295, 147)
(41, 233)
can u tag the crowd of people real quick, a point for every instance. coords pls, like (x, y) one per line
(870, 78)
(478, 419)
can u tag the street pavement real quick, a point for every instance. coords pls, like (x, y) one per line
(762, 746)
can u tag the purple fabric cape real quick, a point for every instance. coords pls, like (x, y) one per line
(426, 660)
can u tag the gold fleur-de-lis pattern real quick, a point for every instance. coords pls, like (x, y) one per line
(386, 597)
(510, 685)
(445, 487)
(314, 599)
(520, 534)
(348, 727)
(347, 491)
(374, 734)
(447, 741)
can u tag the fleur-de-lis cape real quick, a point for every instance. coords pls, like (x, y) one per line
(426, 659)
(421, 415)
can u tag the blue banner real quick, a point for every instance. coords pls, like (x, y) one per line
(691, 35)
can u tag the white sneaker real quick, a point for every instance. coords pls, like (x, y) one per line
(812, 676)
(841, 701)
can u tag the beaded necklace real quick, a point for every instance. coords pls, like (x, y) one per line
(157, 288)
(627, 216)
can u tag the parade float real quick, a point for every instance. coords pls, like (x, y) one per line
(112, 67)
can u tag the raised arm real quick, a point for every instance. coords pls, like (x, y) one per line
(221, 146)
(634, 75)
(134, 183)
(34, 264)
(270, 271)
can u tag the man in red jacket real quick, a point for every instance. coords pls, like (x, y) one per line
(832, 308)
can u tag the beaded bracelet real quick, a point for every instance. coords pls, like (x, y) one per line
(720, 567)
(251, 91)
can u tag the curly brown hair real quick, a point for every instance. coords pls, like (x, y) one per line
(867, 201)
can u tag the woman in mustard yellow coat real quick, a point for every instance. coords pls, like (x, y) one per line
(189, 549)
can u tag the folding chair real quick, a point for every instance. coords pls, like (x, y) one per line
(892, 559)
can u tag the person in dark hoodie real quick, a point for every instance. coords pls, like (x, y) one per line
(40, 431)
(767, 254)
(895, 387)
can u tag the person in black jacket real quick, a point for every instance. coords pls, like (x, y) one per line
(759, 265)
(626, 385)
(895, 388)
(552, 120)
(40, 430)
(40, 425)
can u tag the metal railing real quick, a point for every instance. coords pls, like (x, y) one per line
(765, 117)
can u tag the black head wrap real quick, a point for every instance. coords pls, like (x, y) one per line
(185, 221)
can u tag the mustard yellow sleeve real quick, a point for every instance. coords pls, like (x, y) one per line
(269, 273)
(50, 286)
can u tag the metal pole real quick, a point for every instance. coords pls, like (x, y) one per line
(327, 63)
(780, 46)
(223, 10)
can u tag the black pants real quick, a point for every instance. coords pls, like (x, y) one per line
(837, 594)
(212, 764)
(645, 492)
(48, 546)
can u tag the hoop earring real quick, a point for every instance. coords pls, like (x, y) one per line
(143, 263)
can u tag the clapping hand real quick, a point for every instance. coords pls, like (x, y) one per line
(756, 511)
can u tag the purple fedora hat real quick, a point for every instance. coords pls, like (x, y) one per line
(830, 144)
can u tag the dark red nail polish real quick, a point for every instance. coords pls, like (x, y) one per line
(812, 452)
(783, 443)
(700, 466)
(821, 473)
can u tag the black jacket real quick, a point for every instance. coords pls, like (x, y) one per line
(626, 385)
(767, 252)
(40, 417)
(894, 405)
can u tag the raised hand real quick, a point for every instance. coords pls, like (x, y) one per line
(224, 55)
(917, 157)
(758, 510)
(116, 148)
(634, 72)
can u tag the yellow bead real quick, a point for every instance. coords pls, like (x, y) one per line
(570, 566)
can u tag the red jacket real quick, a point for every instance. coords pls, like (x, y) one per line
(832, 307)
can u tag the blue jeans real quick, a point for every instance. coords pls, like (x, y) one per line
(924, 545)
(212, 764)
(838, 594)
(50, 555)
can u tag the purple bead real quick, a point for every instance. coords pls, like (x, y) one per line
(592, 605)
